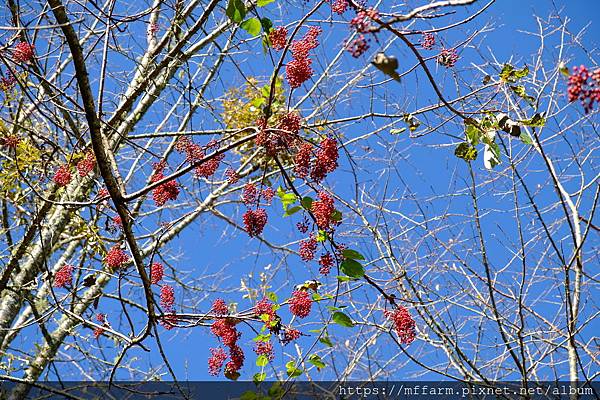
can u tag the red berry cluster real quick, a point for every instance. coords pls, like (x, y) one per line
(219, 307)
(404, 324)
(278, 37)
(308, 248)
(116, 257)
(362, 21)
(216, 360)
(249, 194)
(11, 141)
(428, 41)
(268, 194)
(157, 271)
(358, 46)
(232, 176)
(325, 160)
(169, 320)
(7, 83)
(323, 210)
(339, 6)
(116, 221)
(584, 86)
(255, 221)
(101, 318)
(226, 331)
(265, 307)
(290, 334)
(302, 160)
(64, 276)
(62, 176)
(167, 297)
(447, 58)
(284, 136)
(265, 349)
(23, 52)
(165, 192)
(299, 69)
(196, 153)
(300, 303)
(86, 165)
(325, 263)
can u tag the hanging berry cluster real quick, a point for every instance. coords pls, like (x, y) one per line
(195, 154)
(299, 69)
(362, 24)
(225, 330)
(64, 276)
(584, 86)
(166, 191)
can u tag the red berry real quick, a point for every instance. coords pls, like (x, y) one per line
(64, 276)
(404, 324)
(62, 176)
(219, 307)
(167, 297)
(23, 52)
(216, 360)
(116, 257)
(157, 272)
(255, 221)
(278, 37)
(300, 303)
(86, 165)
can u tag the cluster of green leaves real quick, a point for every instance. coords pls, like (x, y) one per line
(237, 11)
(511, 75)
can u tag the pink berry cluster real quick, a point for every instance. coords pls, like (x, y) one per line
(157, 271)
(165, 192)
(225, 330)
(167, 297)
(101, 318)
(358, 46)
(11, 141)
(326, 261)
(339, 6)
(447, 58)
(308, 248)
(404, 324)
(300, 303)
(299, 69)
(362, 24)
(87, 164)
(264, 349)
(428, 41)
(8, 83)
(362, 21)
(116, 257)
(255, 221)
(280, 138)
(584, 86)
(219, 307)
(278, 37)
(62, 176)
(195, 155)
(64, 276)
(23, 52)
(323, 210)
(290, 334)
(325, 160)
(232, 176)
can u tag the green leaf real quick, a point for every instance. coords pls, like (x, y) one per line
(249, 396)
(336, 216)
(352, 254)
(525, 138)
(316, 361)
(307, 202)
(292, 371)
(472, 133)
(342, 319)
(262, 3)
(266, 23)
(520, 91)
(326, 341)
(352, 268)
(259, 377)
(272, 296)
(537, 120)
(397, 131)
(466, 151)
(287, 199)
(292, 211)
(491, 155)
(252, 26)
(262, 360)
(321, 236)
(236, 10)
(344, 278)
(510, 75)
